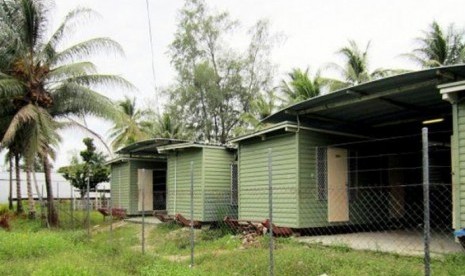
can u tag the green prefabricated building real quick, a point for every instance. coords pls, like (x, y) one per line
(293, 160)
(310, 136)
(211, 176)
(139, 171)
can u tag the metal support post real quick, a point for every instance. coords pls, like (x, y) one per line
(426, 202)
(270, 208)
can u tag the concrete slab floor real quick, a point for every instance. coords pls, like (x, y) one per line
(148, 220)
(399, 241)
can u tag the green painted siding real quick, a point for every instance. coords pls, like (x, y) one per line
(217, 188)
(179, 183)
(119, 185)
(459, 166)
(212, 180)
(253, 179)
(295, 191)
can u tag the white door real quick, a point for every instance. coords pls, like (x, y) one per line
(338, 197)
(145, 186)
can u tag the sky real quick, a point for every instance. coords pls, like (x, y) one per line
(313, 31)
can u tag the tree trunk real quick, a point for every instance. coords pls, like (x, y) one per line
(30, 196)
(19, 203)
(52, 215)
(10, 196)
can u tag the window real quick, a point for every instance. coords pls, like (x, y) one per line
(321, 173)
(234, 188)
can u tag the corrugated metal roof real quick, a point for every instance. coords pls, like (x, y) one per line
(148, 146)
(194, 145)
(409, 96)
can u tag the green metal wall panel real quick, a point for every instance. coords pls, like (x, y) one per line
(217, 189)
(253, 179)
(120, 185)
(459, 166)
(178, 183)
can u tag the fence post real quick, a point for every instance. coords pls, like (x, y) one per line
(57, 198)
(111, 220)
(71, 195)
(88, 204)
(143, 212)
(119, 188)
(426, 202)
(270, 208)
(192, 214)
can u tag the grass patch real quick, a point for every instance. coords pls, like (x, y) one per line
(31, 250)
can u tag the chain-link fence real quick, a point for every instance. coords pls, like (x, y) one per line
(392, 195)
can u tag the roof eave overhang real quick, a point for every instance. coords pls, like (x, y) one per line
(291, 127)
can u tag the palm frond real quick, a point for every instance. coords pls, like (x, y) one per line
(70, 123)
(73, 19)
(90, 103)
(10, 88)
(71, 70)
(86, 49)
(111, 81)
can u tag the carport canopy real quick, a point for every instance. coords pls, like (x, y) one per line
(401, 103)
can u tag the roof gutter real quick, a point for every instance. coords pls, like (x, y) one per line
(449, 91)
(290, 127)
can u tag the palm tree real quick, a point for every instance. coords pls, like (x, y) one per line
(261, 107)
(131, 129)
(438, 47)
(355, 69)
(301, 86)
(43, 83)
(167, 126)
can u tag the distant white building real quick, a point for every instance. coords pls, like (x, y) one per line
(62, 189)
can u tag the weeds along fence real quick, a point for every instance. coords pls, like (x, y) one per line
(392, 195)
(70, 206)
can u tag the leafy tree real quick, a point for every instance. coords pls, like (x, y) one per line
(44, 83)
(131, 128)
(355, 69)
(301, 86)
(438, 47)
(215, 83)
(90, 168)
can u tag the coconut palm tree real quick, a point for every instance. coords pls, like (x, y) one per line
(261, 107)
(42, 82)
(301, 86)
(131, 129)
(438, 47)
(355, 69)
(167, 126)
